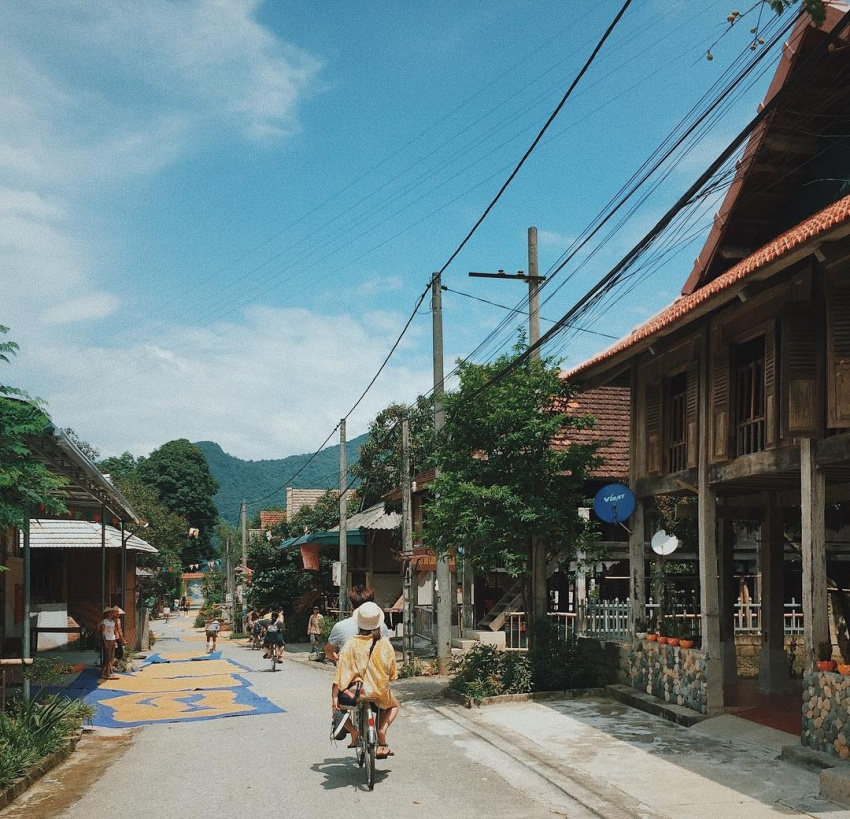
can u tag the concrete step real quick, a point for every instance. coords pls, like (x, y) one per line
(463, 644)
(654, 705)
(493, 638)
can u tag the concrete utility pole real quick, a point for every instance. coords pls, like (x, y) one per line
(408, 617)
(228, 586)
(445, 591)
(243, 515)
(539, 569)
(343, 521)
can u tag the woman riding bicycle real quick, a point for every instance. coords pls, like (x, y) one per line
(369, 658)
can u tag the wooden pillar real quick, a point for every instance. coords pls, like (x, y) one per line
(812, 509)
(637, 567)
(728, 596)
(773, 662)
(637, 528)
(708, 566)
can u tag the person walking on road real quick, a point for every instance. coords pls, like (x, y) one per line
(166, 612)
(212, 629)
(314, 627)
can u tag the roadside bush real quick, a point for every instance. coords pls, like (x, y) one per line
(32, 729)
(486, 672)
(558, 664)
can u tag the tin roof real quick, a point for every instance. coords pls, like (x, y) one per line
(375, 517)
(80, 534)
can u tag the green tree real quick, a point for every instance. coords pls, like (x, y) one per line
(501, 481)
(25, 483)
(179, 472)
(120, 466)
(379, 463)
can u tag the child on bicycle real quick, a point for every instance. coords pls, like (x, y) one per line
(273, 639)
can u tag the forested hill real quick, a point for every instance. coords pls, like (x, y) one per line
(240, 479)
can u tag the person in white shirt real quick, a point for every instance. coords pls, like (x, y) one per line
(213, 628)
(109, 631)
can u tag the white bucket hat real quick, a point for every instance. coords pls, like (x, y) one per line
(368, 616)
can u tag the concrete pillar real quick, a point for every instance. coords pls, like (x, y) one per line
(773, 663)
(728, 596)
(708, 565)
(637, 567)
(812, 509)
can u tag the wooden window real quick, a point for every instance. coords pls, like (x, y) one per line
(677, 423)
(749, 372)
(838, 357)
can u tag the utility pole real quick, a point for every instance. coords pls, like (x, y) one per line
(343, 521)
(445, 592)
(244, 521)
(408, 617)
(539, 569)
(228, 586)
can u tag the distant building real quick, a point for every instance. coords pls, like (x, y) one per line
(296, 498)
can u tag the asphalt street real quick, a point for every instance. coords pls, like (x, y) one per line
(285, 763)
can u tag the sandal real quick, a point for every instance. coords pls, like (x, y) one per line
(379, 755)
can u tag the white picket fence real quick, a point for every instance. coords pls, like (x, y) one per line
(610, 619)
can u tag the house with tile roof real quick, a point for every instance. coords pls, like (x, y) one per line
(740, 392)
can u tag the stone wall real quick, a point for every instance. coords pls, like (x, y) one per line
(748, 649)
(826, 713)
(674, 674)
(608, 656)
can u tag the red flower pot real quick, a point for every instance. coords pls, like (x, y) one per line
(672, 641)
(651, 638)
(826, 665)
(662, 638)
(686, 643)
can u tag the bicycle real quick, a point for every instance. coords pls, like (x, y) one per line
(365, 716)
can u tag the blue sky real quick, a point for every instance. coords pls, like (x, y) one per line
(217, 214)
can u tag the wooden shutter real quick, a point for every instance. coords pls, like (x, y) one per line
(838, 357)
(802, 408)
(771, 404)
(720, 398)
(653, 396)
(692, 414)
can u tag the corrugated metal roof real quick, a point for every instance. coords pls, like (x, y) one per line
(375, 517)
(79, 534)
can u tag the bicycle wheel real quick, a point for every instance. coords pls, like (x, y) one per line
(274, 661)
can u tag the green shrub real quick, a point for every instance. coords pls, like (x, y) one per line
(486, 672)
(558, 664)
(32, 729)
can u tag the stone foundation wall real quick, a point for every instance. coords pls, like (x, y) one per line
(674, 674)
(826, 713)
(748, 648)
(607, 655)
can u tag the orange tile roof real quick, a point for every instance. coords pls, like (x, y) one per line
(610, 407)
(811, 228)
(271, 518)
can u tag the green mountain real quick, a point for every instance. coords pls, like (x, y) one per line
(253, 480)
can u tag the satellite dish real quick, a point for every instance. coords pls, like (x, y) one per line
(664, 544)
(614, 503)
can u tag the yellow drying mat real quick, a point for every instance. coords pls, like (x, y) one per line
(141, 684)
(202, 668)
(174, 706)
(197, 654)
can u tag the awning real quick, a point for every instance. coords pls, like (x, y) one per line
(79, 534)
(355, 537)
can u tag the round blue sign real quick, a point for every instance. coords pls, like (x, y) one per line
(614, 503)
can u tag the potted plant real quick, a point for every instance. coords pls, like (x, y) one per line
(652, 631)
(686, 636)
(662, 630)
(673, 632)
(825, 661)
(640, 629)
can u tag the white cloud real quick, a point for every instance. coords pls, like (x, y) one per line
(274, 385)
(559, 241)
(84, 308)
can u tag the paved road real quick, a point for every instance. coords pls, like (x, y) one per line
(200, 769)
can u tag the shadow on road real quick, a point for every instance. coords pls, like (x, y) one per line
(345, 773)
